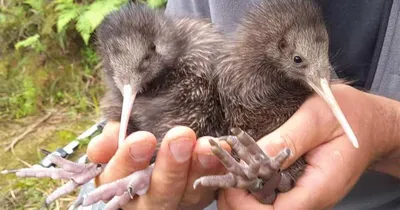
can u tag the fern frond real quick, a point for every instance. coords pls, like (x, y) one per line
(35, 4)
(66, 16)
(94, 15)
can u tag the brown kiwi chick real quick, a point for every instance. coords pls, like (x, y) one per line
(275, 60)
(158, 72)
(167, 64)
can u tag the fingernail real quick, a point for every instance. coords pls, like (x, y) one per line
(208, 161)
(181, 150)
(141, 151)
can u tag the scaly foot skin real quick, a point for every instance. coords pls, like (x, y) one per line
(120, 191)
(78, 174)
(256, 172)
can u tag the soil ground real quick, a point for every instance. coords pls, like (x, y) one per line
(57, 131)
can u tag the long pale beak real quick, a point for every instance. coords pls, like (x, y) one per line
(129, 95)
(325, 92)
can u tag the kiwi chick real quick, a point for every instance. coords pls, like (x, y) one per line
(169, 63)
(271, 64)
(158, 72)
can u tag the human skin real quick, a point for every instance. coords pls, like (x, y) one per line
(175, 170)
(333, 164)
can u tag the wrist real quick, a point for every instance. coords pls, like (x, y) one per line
(386, 134)
(375, 120)
(386, 120)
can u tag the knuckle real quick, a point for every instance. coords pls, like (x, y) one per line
(288, 142)
(167, 184)
(190, 199)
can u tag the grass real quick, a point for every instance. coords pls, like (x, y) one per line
(52, 70)
(29, 193)
(32, 84)
(27, 85)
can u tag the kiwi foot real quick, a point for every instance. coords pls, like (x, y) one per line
(119, 192)
(78, 174)
(256, 172)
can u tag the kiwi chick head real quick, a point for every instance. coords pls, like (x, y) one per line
(290, 38)
(137, 45)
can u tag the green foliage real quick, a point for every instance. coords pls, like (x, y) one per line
(94, 15)
(156, 3)
(67, 11)
(25, 100)
(26, 87)
(30, 193)
(83, 143)
(87, 16)
(66, 135)
(18, 95)
(24, 20)
(90, 56)
(47, 62)
(35, 4)
(46, 57)
(32, 42)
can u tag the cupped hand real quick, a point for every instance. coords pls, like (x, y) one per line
(180, 161)
(333, 164)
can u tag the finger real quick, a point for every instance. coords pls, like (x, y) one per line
(330, 175)
(102, 147)
(171, 168)
(203, 163)
(232, 199)
(312, 125)
(133, 155)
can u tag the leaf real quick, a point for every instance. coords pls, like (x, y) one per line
(3, 18)
(67, 11)
(35, 4)
(94, 15)
(63, 4)
(156, 3)
(65, 17)
(48, 24)
(28, 42)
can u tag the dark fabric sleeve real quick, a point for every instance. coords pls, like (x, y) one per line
(356, 30)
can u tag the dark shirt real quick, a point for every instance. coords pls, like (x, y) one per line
(356, 31)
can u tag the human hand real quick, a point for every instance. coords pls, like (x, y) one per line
(333, 164)
(175, 169)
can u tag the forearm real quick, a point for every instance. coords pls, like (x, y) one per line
(386, 134)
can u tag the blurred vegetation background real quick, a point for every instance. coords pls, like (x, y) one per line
(50, 86)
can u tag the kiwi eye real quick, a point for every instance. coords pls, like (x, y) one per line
(146, 58)
(153, 47)
(297, 59)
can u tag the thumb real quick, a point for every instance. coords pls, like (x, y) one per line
(312, 125)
